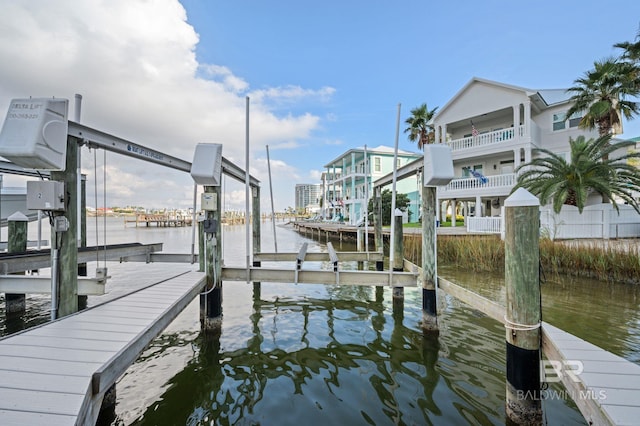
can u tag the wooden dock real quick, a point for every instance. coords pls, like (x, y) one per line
(58, 373)
(160, 220)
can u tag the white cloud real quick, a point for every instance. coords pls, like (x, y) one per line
(316, 175)
(134, 63)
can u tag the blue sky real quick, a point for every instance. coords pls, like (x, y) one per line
(323, 77)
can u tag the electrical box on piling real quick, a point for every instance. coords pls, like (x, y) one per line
(34, 134)
(48, 195)
(438, 165)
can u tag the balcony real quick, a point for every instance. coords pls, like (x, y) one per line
(486, 140)
(502, 135)
(458, 187)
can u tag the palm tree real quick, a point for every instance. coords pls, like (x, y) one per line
(552, 178)
(601, 94)
(631, 49)
(419, 128)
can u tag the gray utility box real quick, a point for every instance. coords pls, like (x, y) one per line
(45, 195)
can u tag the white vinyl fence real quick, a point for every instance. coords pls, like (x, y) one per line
(488, 225)
(596, 221)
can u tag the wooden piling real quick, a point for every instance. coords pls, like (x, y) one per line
(82, 267)
(17, 243)
(67, 242)
(360, 236)
(211, 298)
(398, 264)
(429, 261)
(257, 243)
(522, 257)
(377, 226)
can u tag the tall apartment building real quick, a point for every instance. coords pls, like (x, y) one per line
(308, 196)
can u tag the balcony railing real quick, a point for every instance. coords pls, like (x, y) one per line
(484, 139)
(496, 181)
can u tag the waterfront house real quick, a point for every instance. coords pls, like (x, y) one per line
(492, 128)
(348, 181)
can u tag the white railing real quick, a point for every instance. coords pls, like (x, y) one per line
(483, 139)
(488, 225)
(495, 181)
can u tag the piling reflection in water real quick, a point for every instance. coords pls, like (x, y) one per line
(340, 359)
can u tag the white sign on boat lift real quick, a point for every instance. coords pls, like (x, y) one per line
(438, 165)
(206, 168)
(34, 134)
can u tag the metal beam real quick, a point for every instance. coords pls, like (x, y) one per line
(42, 258)
(42, 285)
(364, 278)
(13, 169)
(98, 139)
(162, 257)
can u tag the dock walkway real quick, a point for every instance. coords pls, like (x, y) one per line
(604, 386)
(58, 373)
(609, 382)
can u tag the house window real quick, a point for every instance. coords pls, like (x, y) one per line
(574, 120)
(560, 121)
(376, 164)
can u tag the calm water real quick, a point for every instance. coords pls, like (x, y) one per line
(337, 355)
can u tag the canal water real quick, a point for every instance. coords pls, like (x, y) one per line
(336, 354)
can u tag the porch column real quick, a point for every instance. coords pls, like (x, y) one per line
(478, 212)
(444, 133)
(527, 155)
(516, 122)
(352, 209)
(527, 119)
(454, 204)
(438, 208)
(516, 158)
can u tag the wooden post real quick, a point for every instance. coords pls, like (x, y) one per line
(398, 263)
(429, 260)
(201, 258)
(360, 245)
(398, 243)
(82, 267)
(522, 257)
(67, 241)
(377, 226)
(255, 207)
(211, 298)
(17, 243)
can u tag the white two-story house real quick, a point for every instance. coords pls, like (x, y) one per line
(350, 178)
(492, 128)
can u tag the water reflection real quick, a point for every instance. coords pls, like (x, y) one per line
(344, 360)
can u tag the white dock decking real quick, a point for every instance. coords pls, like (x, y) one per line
(57, 373)
(607, 381)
